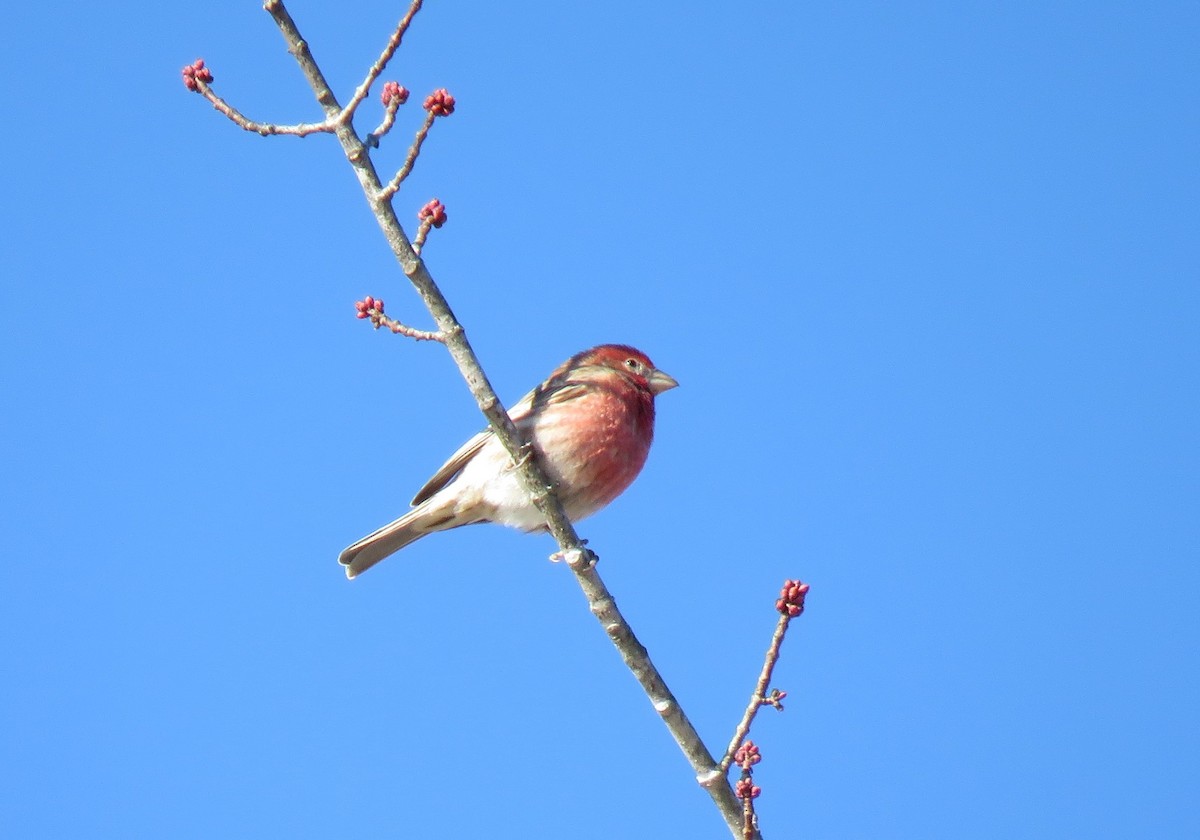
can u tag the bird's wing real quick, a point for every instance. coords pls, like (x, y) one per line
(521, 415)
(453, 466)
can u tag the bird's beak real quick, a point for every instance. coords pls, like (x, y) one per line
(660, 382)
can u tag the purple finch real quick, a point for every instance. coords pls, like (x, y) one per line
(591, 424)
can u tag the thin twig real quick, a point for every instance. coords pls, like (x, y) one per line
(360, 93)
(745, 789)
(789, 605)
(749, 823)
(413, 150)
(422, 232)
(389, 119)
(378, 319)
(759, 698)
(264, 129)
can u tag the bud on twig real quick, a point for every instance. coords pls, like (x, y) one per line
(440, 103)
(197, 72)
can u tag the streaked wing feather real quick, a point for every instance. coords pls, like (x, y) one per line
(520, 414)
(452, 467)
(568, 392)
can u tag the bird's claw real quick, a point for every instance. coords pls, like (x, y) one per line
(526, 454)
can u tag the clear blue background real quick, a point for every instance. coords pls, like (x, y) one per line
(927, 272)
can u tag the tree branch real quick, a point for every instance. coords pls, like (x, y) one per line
(579, 558)
(790, 605)
(380, 63)
(415, 149)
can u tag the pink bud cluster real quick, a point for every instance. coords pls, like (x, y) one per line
(791, 598)
(367, 304)
(435, 212)
(196, 72)
(440, 103)
(747, 755)
(746, 787)
(393, 90)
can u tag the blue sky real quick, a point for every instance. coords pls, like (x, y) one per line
(928, 275)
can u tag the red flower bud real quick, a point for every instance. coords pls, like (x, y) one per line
(747, 755)
(196, 71)
(791, 598)
(393, 90)
(440, 103)
(745, 787)
(435, 211)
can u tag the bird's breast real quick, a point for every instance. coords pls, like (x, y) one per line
(594, 446)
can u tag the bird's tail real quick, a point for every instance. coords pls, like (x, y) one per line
(418, 522)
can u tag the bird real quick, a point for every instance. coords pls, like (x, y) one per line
(590, 423)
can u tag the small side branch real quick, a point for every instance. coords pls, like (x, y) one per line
(370, 308)
(389, 50)
(410, 159)
(438, 104)
(394, 95)
(790, 605)
(745, 789)
(197, 77)
(432, 215)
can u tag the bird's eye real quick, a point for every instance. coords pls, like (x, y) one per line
(632, 364)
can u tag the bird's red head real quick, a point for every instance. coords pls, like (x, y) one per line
(631, 362)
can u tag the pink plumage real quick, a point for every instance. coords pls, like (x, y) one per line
(591, 424)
